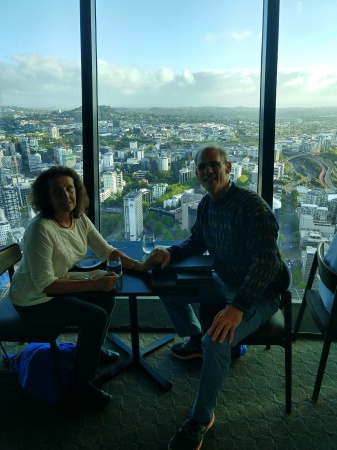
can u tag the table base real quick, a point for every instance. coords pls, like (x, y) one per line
(136, 360)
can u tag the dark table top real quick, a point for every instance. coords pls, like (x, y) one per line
(133, 282)
(138, 283)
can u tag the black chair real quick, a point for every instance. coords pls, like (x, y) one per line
(325, 322)
(13, 327)
(276, 331)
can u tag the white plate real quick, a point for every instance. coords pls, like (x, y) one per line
(89, 262)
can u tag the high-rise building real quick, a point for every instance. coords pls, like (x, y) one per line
(108, 160)
(158, 190)
(189, 215)
(6, 235)
(9, 202)
(307, 258)
(163, 163)
(185, 174)
(53, 132)
(113, 180)
(23, 190)
(34, 161)
(133, 215)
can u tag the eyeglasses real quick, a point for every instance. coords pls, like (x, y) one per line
(214, 165)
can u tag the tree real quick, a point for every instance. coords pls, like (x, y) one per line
(243, 181)
(297, 276)
(281, 238)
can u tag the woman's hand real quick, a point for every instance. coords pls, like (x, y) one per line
(107, 282)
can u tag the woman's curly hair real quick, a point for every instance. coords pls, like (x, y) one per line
(39, 198)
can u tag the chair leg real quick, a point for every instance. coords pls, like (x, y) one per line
(7, 360)
(299, 318)
(321, 367)
(288, 375)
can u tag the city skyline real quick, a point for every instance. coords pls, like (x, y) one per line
(166, 55)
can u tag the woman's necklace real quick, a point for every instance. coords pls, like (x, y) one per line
(63, 226)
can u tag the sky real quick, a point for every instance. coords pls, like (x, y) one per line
(166, 53)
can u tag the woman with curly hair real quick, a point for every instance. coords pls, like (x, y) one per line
(42, 290)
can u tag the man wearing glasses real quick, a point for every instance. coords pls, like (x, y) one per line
(238, 228)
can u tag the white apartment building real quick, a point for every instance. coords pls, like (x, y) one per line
(34, 162)
(307, 224)
(189, 196)
(173, 201)
(158, 190)
(13, 162)
(185, 174)
(9, 202)
(163, 163)
(278, 170)
(236, 171)
(189, 215)
(133, 215)
(113, 180)
(254, 173)
(253, 152)
(308, 209)
(6, 235)
(23, 193)
(108, 160)
(138, 154)
(317, 197)
(321, 214)
(53, 132)
(307, 258)
(59, 152)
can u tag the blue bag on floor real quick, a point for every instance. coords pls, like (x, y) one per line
(239, 350)
(36, 373)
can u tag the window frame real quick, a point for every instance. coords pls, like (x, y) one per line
(267, 107)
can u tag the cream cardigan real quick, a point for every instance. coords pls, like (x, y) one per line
(49, 252)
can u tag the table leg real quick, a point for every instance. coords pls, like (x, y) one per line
(135, 355)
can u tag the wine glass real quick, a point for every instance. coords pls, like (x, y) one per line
(148, 243)
(114, 265)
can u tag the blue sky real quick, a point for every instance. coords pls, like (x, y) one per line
(160, 53)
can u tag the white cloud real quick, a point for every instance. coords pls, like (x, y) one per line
(237, 36)
(32, 80)
(38, 80)
(240, 36)
(310, 86)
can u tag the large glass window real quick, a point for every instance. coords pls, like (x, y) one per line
(172, 75)
(305, 176)
(40, 100)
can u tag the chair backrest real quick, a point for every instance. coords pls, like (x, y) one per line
(285, 285)
(329, 278)
(9, 256)
(286, 281)
(327, 275)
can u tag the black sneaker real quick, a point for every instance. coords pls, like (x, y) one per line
(107, 357)
(190, 435)
(187, 350)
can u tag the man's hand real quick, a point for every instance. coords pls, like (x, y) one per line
(225, 323)
(161, 256)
